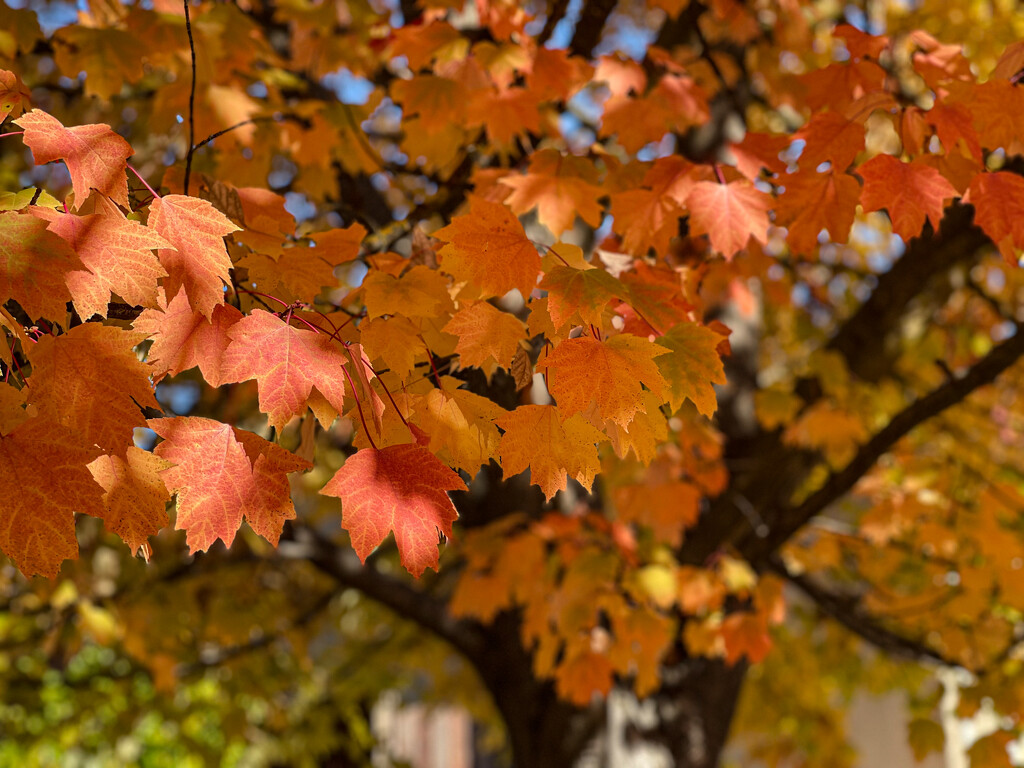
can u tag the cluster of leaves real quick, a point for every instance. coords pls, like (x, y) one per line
(502, 295)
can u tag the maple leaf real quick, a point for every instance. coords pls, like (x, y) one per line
(830, 138)
(816, 201)
(420, 292)
(585, 292)
(116, 251)
(90, 380)
(998, 200)
(198, 260)
(691, 366)
(608, 372)
(560, 187)
(909, 192)
(746, 634)
(134, 495)
(96, 157)
(401, 488)
(183, 338)
(553, 449)
(269, 502)
(221, 474)
(394, 339)
(37, 524)
(488, 337)
(460, 425)
(579, 677)
(435, 100)
(287, 364)
(14, 96)
(729, 214)
(488, 248)
(666, 507)
(33, 262)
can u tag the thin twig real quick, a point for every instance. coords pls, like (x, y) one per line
(191, 99)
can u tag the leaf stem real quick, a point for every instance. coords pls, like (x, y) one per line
(17, 366)
(386, 391)
(144, 183)
(718, 173)
(430, 357)
(359, 408)
(12, 133)
(282, 302)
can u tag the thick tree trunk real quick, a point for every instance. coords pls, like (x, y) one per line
(694, 710)
(543, 731)
(686, 721)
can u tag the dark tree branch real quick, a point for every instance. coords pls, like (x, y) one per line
(785, 522)
(342, 565)
(863, 338)
(593, 16)
(556, 14)
(848, 611)
(228, 653)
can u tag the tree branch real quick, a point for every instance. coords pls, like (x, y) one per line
(785, 522)
(593, 16)
(862, 338)
(847, 611)
(341, 564)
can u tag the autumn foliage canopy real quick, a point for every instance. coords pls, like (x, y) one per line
(617, 317)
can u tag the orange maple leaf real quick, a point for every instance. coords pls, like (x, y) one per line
(401, 488)
(420, 292)
(692, 366)
(608, 372)
(579, 677)
(198, 260)
(287, 364)
(998, 200)
(830, 138)
(746, 634)
(134, 495)
(561, 187)
(909, 192)
(536, 437)
(118, 253)
(183, 338)
(221, 474)
(664, 505)
(460, 425)
(583, 291)
(815, 201)
(14, 96)
(37, 527)
(33, 263)
(90, 380)
(96, 157)
(488, 248)
(488, 337)
(729, 214)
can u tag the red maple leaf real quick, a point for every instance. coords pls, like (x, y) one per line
(910, 192)
(217, 483)
(400, 488)
(287, 364)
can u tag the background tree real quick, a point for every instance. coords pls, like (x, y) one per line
(490, 261)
